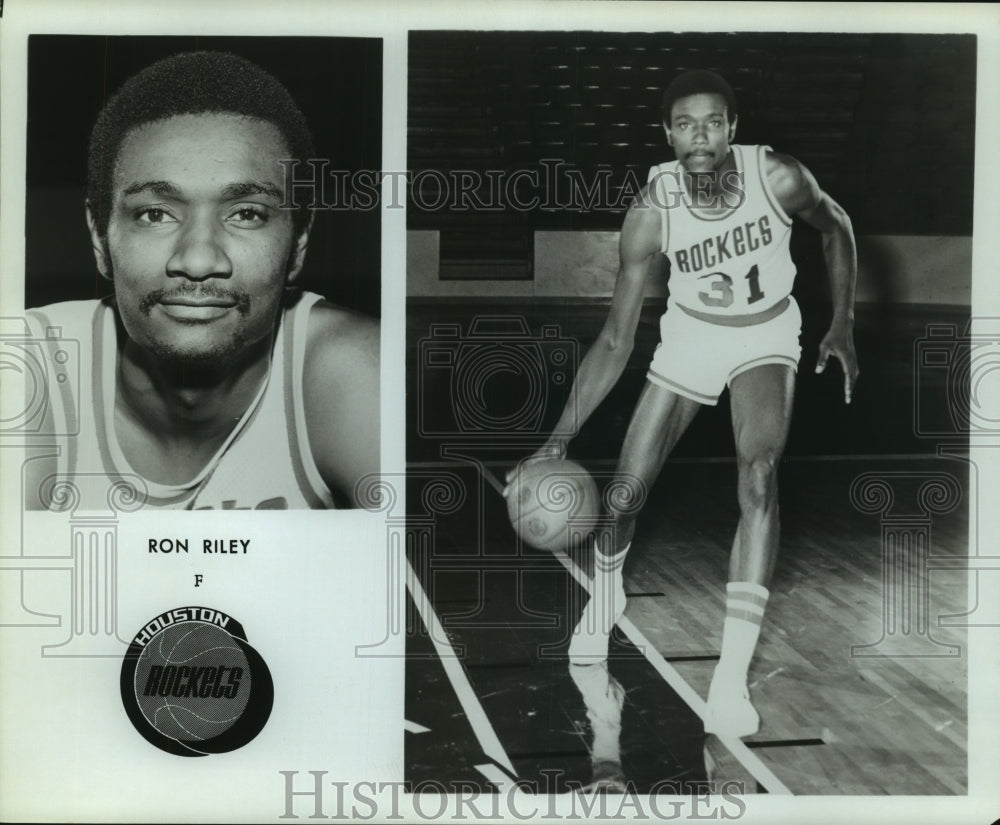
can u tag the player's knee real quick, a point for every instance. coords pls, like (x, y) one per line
(758, 483)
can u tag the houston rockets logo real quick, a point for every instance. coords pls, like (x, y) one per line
(192, 685)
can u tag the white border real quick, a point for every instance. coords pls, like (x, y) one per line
(391, 20)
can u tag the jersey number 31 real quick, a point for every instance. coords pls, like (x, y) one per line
(722, 287)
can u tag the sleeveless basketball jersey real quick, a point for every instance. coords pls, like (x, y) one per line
(735, 263)
(264, 464)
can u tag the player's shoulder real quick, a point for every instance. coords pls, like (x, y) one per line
(340, 386)
(662, 181)
(640, 234)
(783, 171)
(643, 199)
(642, 211)
(68, 309)
(64, 319)
(340, 339)
(779, 166)
(790, 181)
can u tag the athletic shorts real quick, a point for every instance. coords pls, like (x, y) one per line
(698, 358)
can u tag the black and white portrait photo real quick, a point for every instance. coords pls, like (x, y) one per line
(218, 310)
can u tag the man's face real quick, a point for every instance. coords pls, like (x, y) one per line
(700, 131)
(197, 245)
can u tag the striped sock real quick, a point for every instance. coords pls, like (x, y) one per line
(745, 603)
(606, 565)
(589, 641)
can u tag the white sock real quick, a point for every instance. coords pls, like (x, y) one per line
(589, 641)
(609, 568)
(607, 591)
(745, 603)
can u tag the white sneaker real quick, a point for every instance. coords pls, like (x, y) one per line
(729, 711)
(589, 642)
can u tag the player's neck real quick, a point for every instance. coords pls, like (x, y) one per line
(711, 188)
(188, 401)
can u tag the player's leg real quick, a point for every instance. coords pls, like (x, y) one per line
(660, 418)
(761, 411)
(761, 401)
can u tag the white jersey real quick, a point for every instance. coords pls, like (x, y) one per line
(733, 263)
(264, 464)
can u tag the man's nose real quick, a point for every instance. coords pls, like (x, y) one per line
(200, 251)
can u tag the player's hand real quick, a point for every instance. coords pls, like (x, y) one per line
(839, 342)
(551, 449)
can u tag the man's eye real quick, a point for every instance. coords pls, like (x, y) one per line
(153, 216)
(249, 216)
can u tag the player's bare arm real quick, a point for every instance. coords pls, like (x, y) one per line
(800, 195)
(341, 394)
(606, 358)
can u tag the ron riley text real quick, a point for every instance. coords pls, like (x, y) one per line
(215, 546)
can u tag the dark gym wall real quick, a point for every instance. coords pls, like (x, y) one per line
(886, 122)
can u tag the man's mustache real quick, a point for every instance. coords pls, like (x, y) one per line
(199, 292)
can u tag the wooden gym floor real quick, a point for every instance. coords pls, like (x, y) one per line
(860, 676)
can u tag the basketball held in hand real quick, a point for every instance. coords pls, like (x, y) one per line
(553, 504)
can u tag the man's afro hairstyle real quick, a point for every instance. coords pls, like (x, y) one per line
(696, 82)
(190, 83)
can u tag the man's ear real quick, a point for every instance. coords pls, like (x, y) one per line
(732, 129)
(97, 244)
(298, 256)
(667, 132)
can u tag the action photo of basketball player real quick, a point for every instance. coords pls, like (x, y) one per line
(657, 513)
(209, 379)
(722, 213)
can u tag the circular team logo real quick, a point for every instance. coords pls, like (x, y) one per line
(192, 685)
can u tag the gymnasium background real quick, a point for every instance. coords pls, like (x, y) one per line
(885, 123)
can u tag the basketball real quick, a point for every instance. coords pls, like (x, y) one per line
(553, 504)
(192, 681)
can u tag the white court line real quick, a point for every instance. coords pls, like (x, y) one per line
(736, 747)
(495, 776)
(746, 757)
(413, 727)
(488, 739)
